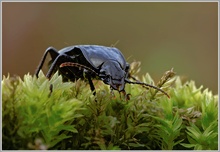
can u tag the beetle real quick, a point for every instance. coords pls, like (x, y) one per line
(91, 62)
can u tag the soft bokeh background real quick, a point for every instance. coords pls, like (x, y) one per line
(162, 35)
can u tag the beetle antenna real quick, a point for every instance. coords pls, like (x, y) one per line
(147, 85)
(77, 65)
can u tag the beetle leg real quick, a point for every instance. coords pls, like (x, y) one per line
(91, 85)
(53, 54)
(51, 90)
(126, 96)
(86, 70)
(55, 63)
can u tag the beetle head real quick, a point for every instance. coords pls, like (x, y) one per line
(112, 73)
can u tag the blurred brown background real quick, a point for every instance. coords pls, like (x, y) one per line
(162, 35)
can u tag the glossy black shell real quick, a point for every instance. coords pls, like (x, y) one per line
(96, 55)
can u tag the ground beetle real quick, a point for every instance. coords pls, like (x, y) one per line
(91, 62)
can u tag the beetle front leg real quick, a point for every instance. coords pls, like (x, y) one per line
(59, 59)
(126, 96)
(53, 54)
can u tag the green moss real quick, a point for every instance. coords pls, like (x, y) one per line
(38, 115)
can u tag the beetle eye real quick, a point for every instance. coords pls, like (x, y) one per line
(106, 79)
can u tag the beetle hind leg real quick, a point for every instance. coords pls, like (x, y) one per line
(53, 53)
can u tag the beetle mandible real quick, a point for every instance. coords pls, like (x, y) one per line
(91, 62)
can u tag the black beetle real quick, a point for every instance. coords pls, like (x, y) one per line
(91, 62)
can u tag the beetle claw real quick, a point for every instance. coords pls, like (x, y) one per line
(126, 96)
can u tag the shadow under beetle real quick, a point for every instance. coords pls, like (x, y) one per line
(91, 62)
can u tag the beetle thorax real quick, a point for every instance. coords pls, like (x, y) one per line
(113, 74)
